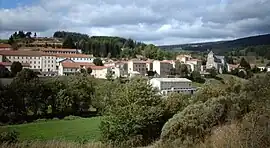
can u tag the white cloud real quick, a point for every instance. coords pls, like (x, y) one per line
(152, 21)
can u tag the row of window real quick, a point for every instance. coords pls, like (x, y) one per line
(22, 57)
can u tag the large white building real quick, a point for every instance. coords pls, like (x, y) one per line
(170, 85)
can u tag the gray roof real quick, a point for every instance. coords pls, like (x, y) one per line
(172, 79)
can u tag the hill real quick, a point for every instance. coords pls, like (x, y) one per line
(222, 46)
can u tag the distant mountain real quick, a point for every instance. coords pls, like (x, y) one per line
(222, 46)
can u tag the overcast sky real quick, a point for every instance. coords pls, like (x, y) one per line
(152, 21)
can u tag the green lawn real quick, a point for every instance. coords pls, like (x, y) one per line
(69, 130)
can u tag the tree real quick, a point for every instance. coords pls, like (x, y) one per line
(69, 43)
(98, 62)
(28, 34)
(26, 75)
(89, 70)
(196, 77)
(244, 64)
(135, 114)
(213, 72)
(15, 68)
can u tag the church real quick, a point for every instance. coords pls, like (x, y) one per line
(217, 62)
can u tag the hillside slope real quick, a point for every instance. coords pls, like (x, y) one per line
(223, 46)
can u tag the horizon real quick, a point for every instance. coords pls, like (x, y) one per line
(151, 22)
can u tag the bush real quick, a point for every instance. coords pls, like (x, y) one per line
(71, 117)
(8, 136)
(194, 123)
(174, 103)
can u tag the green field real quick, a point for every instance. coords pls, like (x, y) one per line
(66, 130)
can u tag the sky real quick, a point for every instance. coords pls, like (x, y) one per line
(160, 22)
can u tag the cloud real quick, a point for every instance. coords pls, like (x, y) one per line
(151, 21)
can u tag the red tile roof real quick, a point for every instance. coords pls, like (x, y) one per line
(76, 64)
(74, 55)
(20, 53)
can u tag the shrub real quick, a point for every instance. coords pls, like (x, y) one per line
(8, 136)
(174, 103)
(71, 117)
(194, 123)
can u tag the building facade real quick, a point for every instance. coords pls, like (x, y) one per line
(166, 86)
(138, 66)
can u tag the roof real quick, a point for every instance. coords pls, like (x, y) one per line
(5, 46)
(10, 63)
(74, 55)
(172, 79)
(75, 64)
(20, 53)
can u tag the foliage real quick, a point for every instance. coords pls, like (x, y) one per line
(89, 70)
(195, 76)
(194, 122)
(136, 114)
(8, 136)
(174, 103)
(244, 64)
(213, 72)
(4, 72)
(98, 62)
(69, 43)
(15, 68)
(71, 117)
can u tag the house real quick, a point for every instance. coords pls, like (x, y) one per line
(101, 72)
(166, 86)
(162, 68)
(217, 62)
(69, 67)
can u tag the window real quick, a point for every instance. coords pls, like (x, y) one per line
(34, 62)
(34, 66)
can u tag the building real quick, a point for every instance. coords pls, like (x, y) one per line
(138, 66)
(170, 85)
(8, 65)
(217, 62)
(5, 47)
(33, 58)
(162, 68)
(60, 50)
